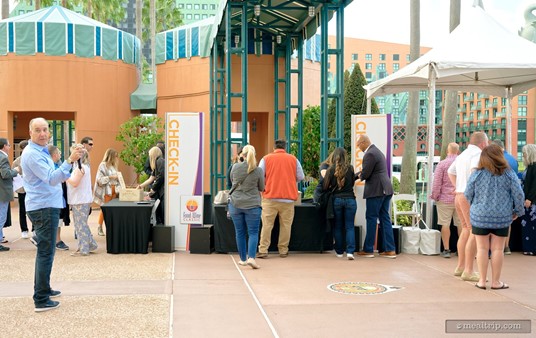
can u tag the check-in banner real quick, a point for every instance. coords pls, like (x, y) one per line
(184, 173)
(380, 131)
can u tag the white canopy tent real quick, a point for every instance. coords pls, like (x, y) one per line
(480, 56)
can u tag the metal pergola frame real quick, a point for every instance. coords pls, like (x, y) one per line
(289, 22)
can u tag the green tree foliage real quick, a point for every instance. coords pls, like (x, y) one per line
(355, 103)
(138, 135)
(168, 16)
(311, 141)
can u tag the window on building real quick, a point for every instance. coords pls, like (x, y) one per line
(354, 57)
(188, 6)
(396, 102)
(521, 111)
(204, 7)
(196, 16)
(408, 57)
(368, 65)
(422, 120)
(212, 7)
(522, 100)
(368, 75)
(381, 75)
(368, 57)
(21, 11)
(188, 16)
(395, 111)
(381, 66)
(396, 120)
(382, 57)
(196, 6)
(380, 101)
(396, 67)
(204, 16)
(382, 110)
(181, 6)
(396, 57)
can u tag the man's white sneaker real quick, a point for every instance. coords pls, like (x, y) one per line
(24, 235)
(350, 257)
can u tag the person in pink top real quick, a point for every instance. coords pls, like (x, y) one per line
(443, 193)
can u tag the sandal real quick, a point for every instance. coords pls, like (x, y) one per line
(503, 286)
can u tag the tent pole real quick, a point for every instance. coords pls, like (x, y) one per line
(431, 145)
(369, 106)
(510, 146)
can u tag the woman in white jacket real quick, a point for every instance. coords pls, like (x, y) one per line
(106, 182)
(80, 198)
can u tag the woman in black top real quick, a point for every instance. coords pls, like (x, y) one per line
(528, 224)
(340, 179)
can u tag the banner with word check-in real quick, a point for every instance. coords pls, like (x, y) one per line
(380, 131)
(184, 174)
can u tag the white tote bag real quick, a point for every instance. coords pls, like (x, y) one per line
(430, 241)
(411, 237)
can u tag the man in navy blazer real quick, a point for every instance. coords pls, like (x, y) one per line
(6, 187)
(378, 193)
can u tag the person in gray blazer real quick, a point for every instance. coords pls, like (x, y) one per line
(378, 193)
(6, 187)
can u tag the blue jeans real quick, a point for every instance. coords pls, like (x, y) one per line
(3, 217)
(246, 222)
(45, 224)
(378, 208)
(344, 210)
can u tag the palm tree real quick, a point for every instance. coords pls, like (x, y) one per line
(5, 9)
(451, 96)
(409, 159)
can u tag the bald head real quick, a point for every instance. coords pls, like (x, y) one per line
(363, 142)
(453, 148)
(39, 132)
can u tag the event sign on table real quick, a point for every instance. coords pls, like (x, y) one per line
(184, 173)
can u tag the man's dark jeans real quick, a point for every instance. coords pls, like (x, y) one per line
(45, 223)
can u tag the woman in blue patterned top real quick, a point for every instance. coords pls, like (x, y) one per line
(496, 198)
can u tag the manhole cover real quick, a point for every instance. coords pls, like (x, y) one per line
(362, 288)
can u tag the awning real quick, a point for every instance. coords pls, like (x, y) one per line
(144, 97)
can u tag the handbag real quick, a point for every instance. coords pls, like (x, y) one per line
(222, 197)
(76, 177)
(325, 203)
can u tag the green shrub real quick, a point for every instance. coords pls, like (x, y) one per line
(309, 191)
(404, 206)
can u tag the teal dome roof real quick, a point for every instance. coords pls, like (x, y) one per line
(58, 31)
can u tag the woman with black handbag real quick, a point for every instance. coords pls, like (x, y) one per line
(340, 181)
(245, 205)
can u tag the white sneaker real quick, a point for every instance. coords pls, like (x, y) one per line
(339, 255)
(350, 257)
(242, 263)
(24, 235)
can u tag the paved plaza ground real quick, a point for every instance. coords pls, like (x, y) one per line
(188, 295)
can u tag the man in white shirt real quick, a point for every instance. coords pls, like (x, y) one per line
(459, 173)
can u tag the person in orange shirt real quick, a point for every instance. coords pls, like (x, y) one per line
(281, 173)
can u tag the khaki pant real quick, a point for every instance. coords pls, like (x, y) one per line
(270, 210)
(445, 213)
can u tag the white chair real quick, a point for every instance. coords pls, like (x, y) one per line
(414, 213)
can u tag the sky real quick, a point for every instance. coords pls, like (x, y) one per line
(388, 20)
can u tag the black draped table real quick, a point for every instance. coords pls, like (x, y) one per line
(308, 231)
(128, 226)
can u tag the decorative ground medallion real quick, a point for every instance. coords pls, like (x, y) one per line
(362, 288)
